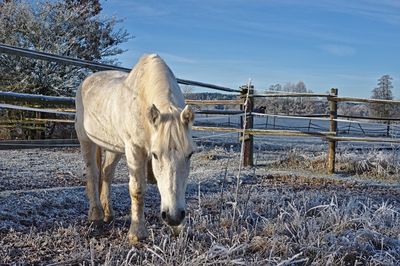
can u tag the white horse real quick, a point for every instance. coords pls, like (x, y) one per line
(141, 114)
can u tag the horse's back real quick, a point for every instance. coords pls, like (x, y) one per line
(101, 83)
(97, 90)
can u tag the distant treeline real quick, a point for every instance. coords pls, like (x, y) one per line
(209, 96)
(285, 105)
(307, 105)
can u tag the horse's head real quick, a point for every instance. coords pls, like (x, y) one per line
(171, 150)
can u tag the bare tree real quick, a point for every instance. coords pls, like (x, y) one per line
(289, 105)
(300, 87)
(382, 91)
(187, 90)
(275, 87)
(65, 27)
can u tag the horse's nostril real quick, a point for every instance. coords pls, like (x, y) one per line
(164, 215)
(183, 213)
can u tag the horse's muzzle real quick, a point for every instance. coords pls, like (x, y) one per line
(173, 220)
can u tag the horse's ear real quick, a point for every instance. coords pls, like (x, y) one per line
(187, 116)
(154, 115)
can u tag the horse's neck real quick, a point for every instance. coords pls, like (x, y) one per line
(164, 95)
(155, 84)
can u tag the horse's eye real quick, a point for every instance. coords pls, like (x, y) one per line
(155, 156)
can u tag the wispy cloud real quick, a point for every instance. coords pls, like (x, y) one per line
(387, 11)
(338, 50)
(142, 9)
(369, 76)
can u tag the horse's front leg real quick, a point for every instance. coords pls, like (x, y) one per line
(136, 159)
(110, 163)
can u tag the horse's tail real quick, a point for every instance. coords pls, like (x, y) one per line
(99, 164)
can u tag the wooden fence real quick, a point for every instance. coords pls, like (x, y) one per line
(65, 106)
(245, 99)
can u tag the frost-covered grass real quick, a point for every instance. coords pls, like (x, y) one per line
(280, 219)
(370, 163)
(281, 228)
(276, 223)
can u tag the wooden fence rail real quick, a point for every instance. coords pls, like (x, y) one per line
(330, 136)
(362, 100)
(34, 98)
(291, 94)
(214, 102)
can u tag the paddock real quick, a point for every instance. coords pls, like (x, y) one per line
(283, 210)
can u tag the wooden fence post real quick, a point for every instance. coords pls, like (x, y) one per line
(248, 139)
(38, 132)
(332, 128)
(388, 128)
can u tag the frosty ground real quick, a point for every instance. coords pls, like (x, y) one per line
(283, 215)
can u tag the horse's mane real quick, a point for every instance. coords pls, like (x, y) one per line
(171, 133)
(150, 75)
(156, 84)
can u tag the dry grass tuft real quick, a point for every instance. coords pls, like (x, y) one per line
(371, 163)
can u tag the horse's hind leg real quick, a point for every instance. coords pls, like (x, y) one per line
(92, 169)
(88, 149)
(109, 164)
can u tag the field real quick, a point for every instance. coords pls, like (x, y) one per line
(282, 216)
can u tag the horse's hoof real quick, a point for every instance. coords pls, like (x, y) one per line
(98, 224)
(135, 239)
(96, 228)
(135, 236)
(108, 219)
(95, 214)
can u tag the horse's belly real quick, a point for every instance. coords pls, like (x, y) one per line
(104, 136)
(107, 145)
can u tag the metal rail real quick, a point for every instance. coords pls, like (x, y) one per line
(36, 98)
(70, 101)
(33, 109)
(93, 65)
(61, 112)
(30, 144)
(65, 60)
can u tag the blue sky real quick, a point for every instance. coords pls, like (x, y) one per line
(325, 43)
